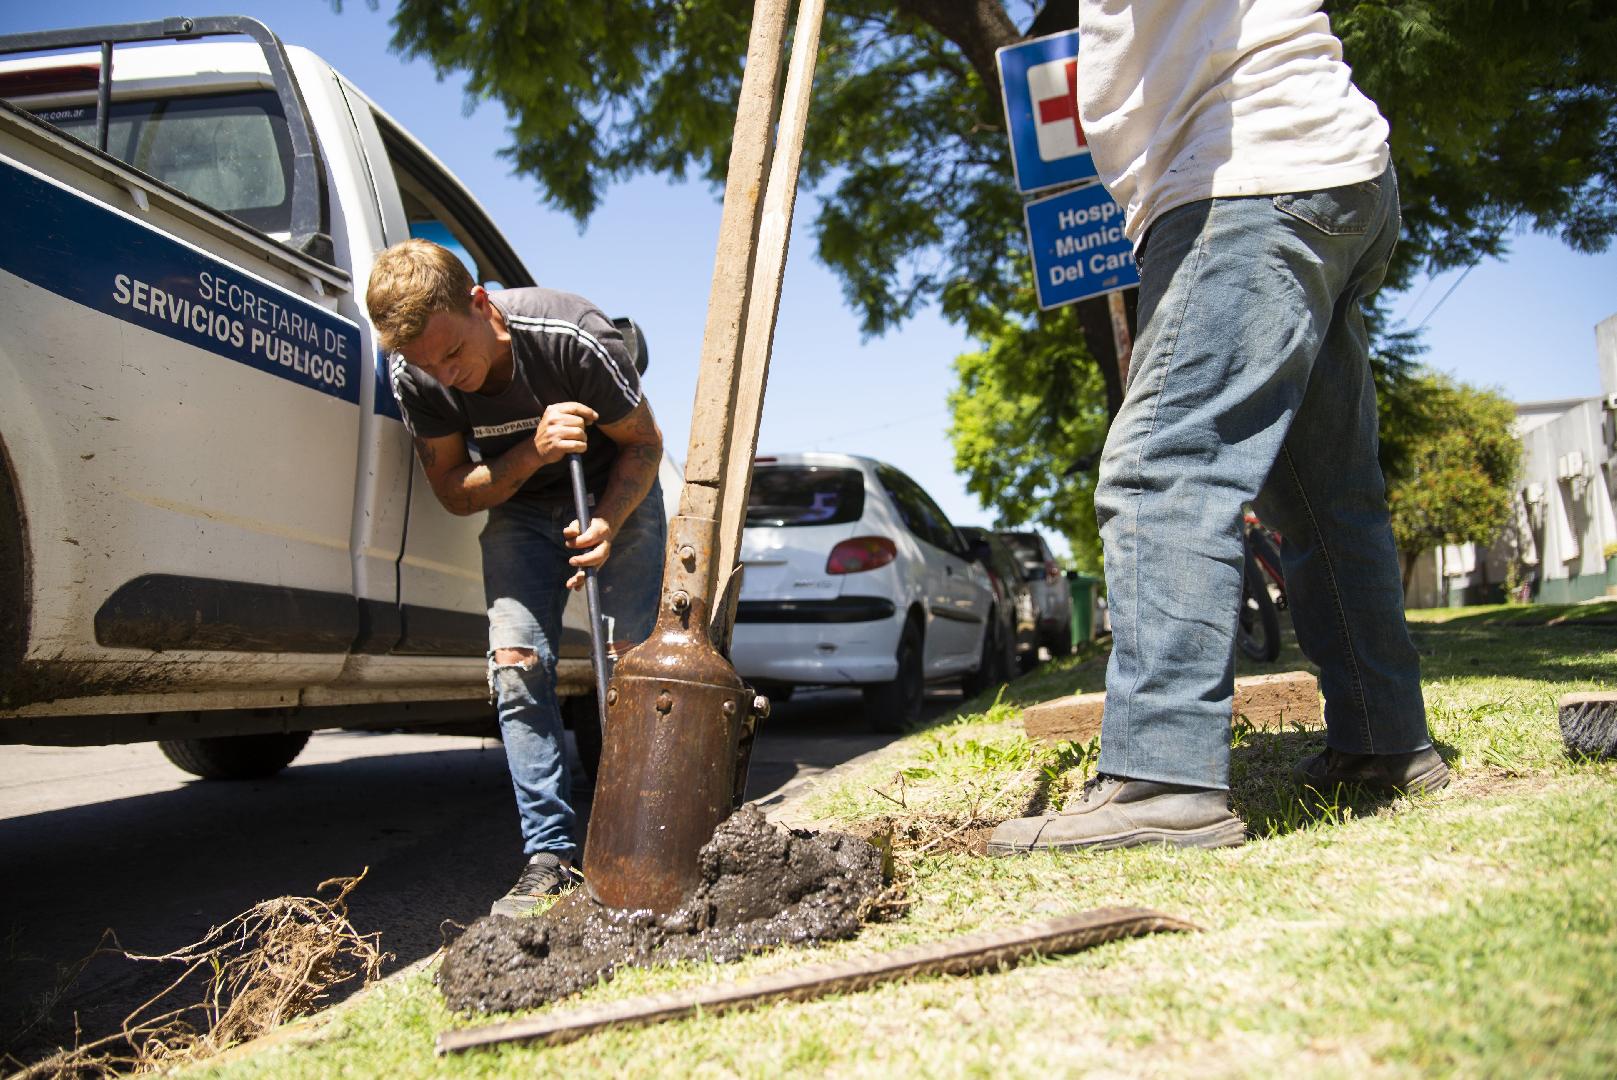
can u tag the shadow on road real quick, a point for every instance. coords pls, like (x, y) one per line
(436, 830)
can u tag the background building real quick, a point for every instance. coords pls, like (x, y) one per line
(1564, 531)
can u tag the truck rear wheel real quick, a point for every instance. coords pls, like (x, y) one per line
(235, 757)
(13, 583)
(584, 717)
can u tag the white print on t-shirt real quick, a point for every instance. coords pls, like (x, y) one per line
(559, 326)
(507, 428)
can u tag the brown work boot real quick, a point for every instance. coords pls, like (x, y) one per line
(1113, 812)
(1418, 772)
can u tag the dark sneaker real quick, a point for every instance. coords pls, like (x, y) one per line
(1418, 772)
(545, 875)
(1113, 813)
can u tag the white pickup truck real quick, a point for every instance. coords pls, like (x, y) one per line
(213, 532)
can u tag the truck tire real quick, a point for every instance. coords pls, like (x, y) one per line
(235, 757)
(891, 707)
(13, 583)
(582, 716)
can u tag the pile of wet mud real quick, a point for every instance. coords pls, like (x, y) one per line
(761, 887)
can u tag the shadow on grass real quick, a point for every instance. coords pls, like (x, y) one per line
(1556, 653)
(1603, 613)
(1263, 794)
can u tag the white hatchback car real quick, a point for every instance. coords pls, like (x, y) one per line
(854, 577)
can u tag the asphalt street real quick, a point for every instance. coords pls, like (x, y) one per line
(116, 838)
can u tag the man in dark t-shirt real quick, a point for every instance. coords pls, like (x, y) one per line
(497, 389)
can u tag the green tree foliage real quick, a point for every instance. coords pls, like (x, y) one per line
(1503, 114)
(1502, 111)
(1027, 448)
(1460, 469)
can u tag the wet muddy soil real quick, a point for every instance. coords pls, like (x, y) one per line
(761, 887)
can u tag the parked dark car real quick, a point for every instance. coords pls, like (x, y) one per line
(1051, 599)
(1018, 617)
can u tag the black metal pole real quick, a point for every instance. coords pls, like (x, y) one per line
(103, 98)
(592, 592)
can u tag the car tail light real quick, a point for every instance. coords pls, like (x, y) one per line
(1052, 571)
(861, 553)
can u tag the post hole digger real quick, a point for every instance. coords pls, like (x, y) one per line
(678, 719)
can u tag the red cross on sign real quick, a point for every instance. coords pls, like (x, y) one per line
(1054, 89)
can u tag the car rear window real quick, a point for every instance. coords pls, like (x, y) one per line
(229, 151)
(1027, 548)
(785, 495)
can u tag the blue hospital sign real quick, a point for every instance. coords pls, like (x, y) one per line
(1039, 84)
(1078, 246)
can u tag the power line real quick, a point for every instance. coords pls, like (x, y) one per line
(868, 429)
(1497, 235)
(1424, 289)
(1457, 283)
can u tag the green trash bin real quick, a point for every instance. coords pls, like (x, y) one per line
(1084, 589)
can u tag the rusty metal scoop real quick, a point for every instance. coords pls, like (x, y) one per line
(679, 718)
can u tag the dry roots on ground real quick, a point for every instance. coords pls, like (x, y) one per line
(272, 963)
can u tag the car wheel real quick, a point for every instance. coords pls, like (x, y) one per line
(891, 707)
(1060, 642)
(1026, 662)
(990, 670)
(235, 757)
(1007, 655)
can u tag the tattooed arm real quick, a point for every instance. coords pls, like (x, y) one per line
(465, 486)
(640, 455)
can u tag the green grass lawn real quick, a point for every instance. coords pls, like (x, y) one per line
(1473, 932)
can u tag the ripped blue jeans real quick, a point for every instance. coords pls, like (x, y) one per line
(525, 572)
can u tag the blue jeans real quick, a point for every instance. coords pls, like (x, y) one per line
(525, 574)
(1251, 383)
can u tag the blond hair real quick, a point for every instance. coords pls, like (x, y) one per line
(410, 283)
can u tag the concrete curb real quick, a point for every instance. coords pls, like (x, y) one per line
(786, 806)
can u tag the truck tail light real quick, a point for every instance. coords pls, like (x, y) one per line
(860, 554)
(66, 79)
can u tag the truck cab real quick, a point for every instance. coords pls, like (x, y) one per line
(212, 522)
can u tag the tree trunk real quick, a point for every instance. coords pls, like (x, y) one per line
(978, 27)
(1096, 322)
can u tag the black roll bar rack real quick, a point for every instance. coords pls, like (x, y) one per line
(311, 227)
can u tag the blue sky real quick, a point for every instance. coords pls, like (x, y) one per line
(1524, 325)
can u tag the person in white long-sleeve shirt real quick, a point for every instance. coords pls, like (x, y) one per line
(1260, 198)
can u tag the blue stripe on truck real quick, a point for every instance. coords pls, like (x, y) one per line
(385, 404)
(78, 248)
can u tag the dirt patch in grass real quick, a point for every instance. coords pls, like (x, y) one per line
(927, 834)
(1487, 782)
(761, 887)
